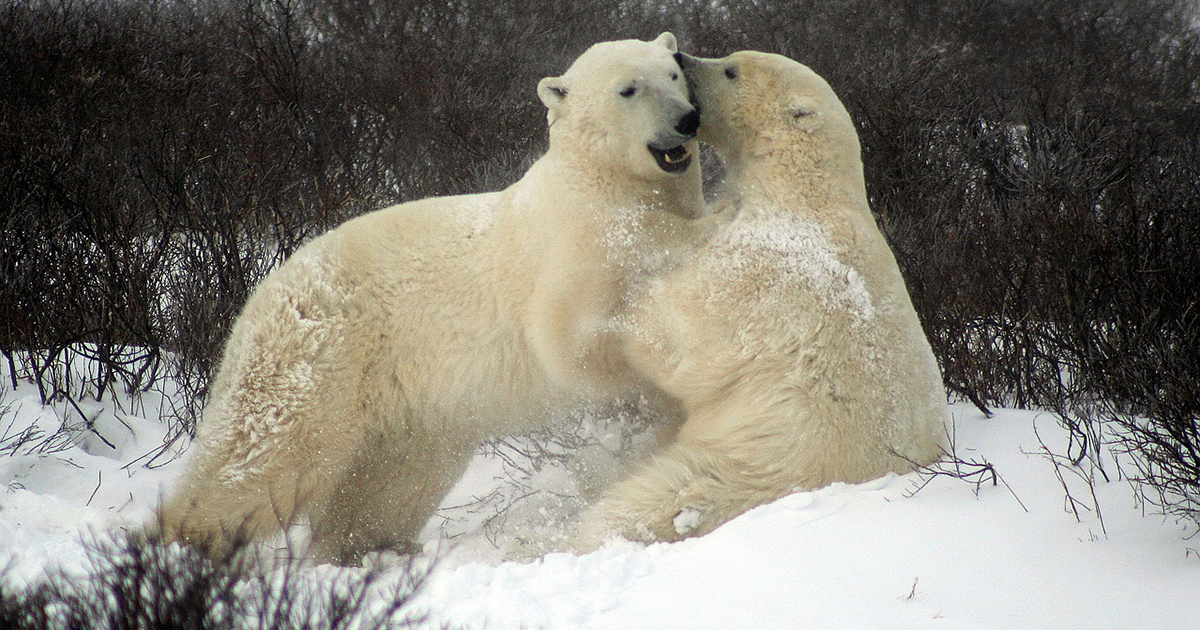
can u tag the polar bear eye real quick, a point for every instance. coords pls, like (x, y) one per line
(731, 72)
(629, 91)
(674, 76)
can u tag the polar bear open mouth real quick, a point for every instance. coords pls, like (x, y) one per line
(673, 160)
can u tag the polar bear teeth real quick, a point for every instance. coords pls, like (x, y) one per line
(675, 160)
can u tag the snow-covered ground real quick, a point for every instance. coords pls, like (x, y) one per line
(877, 555)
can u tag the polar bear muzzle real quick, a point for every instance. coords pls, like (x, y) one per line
(672, 156)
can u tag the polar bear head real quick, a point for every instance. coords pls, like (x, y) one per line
(624, 104)
(760, 105)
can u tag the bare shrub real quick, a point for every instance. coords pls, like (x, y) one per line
(133, 584)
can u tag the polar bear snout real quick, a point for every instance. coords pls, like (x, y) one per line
(689, 123)
(669, 148)
(684, 129)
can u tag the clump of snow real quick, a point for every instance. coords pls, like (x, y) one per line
(874, 555)
(478, 214)
(686, 520)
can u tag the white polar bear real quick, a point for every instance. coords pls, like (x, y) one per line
(362, 374)
(790, 342)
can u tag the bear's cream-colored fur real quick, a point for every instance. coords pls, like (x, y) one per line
(362, 374)
(790, 342)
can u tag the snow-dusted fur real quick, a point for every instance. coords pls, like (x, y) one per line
(791, 341)
(362, 374)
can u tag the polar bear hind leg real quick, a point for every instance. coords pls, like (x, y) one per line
(280, 430)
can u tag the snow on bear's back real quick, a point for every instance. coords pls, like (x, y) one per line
(788, 262)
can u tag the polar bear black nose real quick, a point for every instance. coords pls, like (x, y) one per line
(689, 123)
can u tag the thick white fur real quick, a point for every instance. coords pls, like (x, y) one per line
(362, 374)
(790, 341)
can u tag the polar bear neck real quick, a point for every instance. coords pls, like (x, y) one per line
(578, 184)
(791, 179)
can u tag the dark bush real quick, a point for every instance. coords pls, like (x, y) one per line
(133, 584)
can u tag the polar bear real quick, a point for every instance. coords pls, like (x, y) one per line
(790, 342)
(362, 374)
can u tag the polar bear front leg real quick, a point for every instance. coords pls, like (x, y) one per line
(682, 491)
(394, 485)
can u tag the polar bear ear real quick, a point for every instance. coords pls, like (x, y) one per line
(805, 112)
(802, 107)
(552, 91)
(667, 40)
